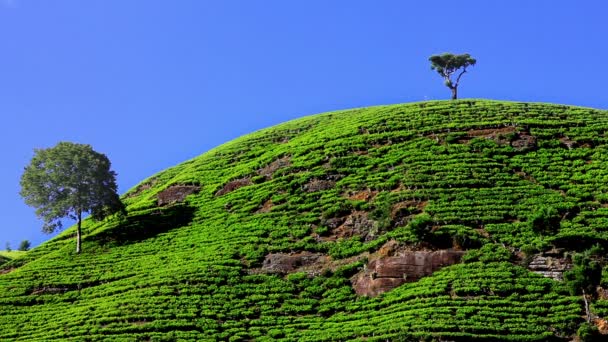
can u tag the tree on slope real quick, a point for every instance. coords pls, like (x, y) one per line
(25, 245)
(70, 180)
(447, 65)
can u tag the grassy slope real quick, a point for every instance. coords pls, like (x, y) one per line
(12, 254)
(154, 276)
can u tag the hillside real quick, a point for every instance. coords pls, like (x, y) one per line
(6, 256)
(405, 222)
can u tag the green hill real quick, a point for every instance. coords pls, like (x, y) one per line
(414, 222)
(6, 256)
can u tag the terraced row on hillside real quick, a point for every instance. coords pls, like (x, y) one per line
(263, 237)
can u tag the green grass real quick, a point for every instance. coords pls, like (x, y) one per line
(12, 254)
(185, 272)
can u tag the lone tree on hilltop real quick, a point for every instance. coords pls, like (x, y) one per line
(69, 180)
(448, 64)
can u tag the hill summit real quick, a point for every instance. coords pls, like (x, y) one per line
(443, 220)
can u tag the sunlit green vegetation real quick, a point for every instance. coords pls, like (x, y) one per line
(12, 254)
(494, 178)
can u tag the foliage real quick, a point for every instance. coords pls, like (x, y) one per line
(447, 64)
(421, 226)
(586, 273)
(24, 245)
(69, 180)
(589, 333)
(545, 220)
(192, 271)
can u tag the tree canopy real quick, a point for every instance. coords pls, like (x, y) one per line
(67, 181)
(448, 64)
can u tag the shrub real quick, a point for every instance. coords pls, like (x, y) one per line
(545, 220)
(586, 273)
(588, 333)
(421, 226)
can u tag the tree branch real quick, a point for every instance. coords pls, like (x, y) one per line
(460, 75)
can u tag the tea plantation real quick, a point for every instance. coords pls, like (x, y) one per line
(504, 182)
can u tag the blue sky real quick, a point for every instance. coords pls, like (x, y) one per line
(154, 83)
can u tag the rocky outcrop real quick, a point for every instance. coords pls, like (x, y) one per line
(315, 185)
(356, 224)
(233, 185)
(283, 263)
(268, 170)
(176, 194)
(386, 273)
(550, 267)
(524, 142)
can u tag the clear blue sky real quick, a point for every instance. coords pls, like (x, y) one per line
(154, 83)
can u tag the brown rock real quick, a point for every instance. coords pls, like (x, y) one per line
(386, 273)
(266, 207)
(283, 263)
(550, 267)
(491, 133)
(602, 325)
(176, 193)
(364, 195)
(143, 187)
(524, 142)
(233, 185)
(318, 185)
(357, 224)
(268, 170)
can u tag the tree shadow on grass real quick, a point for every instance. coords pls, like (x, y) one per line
(139, 227)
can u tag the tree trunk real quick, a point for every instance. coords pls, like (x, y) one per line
(454, 93)
(78, 233)
(587, 313)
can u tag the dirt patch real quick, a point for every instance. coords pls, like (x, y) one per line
(402, 212)
(176, 194)
(524, 142)
(356, 224)
(492, 133)
(268, 170)
(602, 325)
(567, 142)
(266, 207)
(143, 187)
(49, 290)
(365, 195)
(602, 293)
(283, 263)
(315, 185)
(7, 270)
(233, 185)
(392, 267)
(313, 264)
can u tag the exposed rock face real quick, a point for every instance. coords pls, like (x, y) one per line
(602, 325)
(283, 263)
(318, 185)
(266, 207)
(143, 187)
(386, 273)
(268, 170)
(524, 142)
(492, 133)
(233, 185)
(356, 224)
(550, 267)
(365, 195)
(176, 193)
